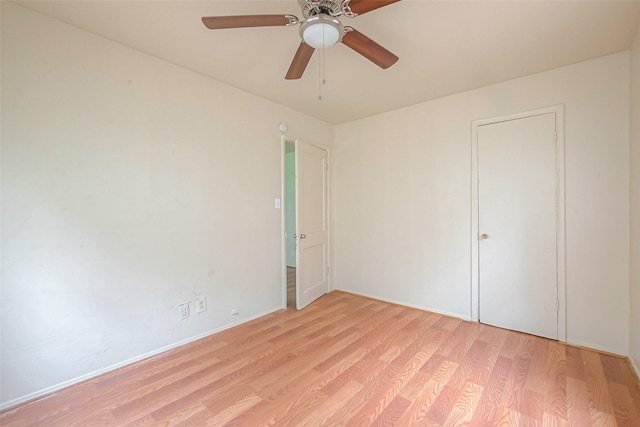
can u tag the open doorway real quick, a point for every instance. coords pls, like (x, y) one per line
(290, 221)
(306, 223)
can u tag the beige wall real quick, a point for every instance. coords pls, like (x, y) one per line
(129, 186)
(634, 325)
(402, 197)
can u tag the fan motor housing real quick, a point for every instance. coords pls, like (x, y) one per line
(328, 7)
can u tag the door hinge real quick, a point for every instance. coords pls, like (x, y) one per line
(327, 270)
(555, 136)
(557, 304)
(327, 165)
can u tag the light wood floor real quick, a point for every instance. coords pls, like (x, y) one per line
(347, 360)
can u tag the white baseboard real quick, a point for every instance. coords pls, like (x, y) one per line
(593, 346)
(57, 387)
(406, 304)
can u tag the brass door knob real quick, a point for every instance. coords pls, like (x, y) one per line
(484, 236)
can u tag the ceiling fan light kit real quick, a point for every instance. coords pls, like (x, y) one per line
(319, 29)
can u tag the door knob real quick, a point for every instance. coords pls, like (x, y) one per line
(484, 236)
(303, 236)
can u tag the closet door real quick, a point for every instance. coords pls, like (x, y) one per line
(517, 254)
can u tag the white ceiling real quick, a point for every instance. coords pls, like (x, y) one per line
(444, 47)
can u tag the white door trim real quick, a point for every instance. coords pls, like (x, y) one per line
(560, 211)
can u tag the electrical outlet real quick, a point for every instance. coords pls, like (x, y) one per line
(201, 304)
(183, 311)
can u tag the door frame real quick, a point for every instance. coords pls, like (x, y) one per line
(283, 146)
(560, 211)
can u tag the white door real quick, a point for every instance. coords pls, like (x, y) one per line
(312, 230)
(517, 253)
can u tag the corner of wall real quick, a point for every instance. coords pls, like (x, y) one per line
(634, 205)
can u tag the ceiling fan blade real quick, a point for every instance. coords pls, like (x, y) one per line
(369, 49)
(242, 21)
(300, 61)
(364, 6)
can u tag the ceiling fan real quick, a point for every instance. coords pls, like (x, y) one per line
(320, 28)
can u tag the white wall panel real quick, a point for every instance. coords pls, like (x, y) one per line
(129, 186)
(402, 197)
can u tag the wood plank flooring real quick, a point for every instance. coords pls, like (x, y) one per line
(352, 361)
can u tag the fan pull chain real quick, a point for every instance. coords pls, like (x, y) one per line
(321, 76)
(324, 81)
